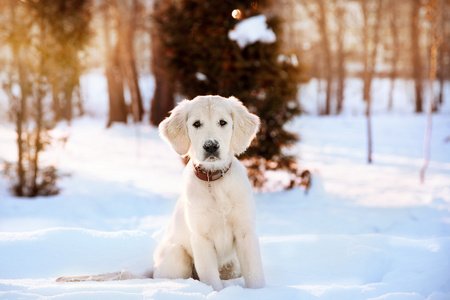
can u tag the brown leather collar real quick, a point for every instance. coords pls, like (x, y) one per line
(209, 176)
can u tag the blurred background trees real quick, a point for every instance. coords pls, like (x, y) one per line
(400, 51)
(43, 40)
(184, 45)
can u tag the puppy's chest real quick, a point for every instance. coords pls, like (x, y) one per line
(220, 206)
(218, 211)
(220, 226)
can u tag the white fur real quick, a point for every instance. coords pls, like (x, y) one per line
(212, 228)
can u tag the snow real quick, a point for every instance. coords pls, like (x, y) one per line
(361, 232)
(252, 30)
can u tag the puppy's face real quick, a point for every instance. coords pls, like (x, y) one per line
(211, 129)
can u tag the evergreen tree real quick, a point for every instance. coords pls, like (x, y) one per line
(203, 60)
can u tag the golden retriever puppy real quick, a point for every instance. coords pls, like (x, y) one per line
(212, 231)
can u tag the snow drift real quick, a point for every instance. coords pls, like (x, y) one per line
(361, 232)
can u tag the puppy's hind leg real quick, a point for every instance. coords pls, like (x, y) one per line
(173, 262)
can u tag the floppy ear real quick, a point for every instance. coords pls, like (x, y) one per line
(173, 129)
(245, 126)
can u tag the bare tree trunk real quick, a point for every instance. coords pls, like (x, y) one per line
(37, 140)
(68, 105)
(56, 105)
(391, 90)
(79, 98)
(20, 151)
(416, 59)
(163, 99)
(340, 56)
(20, 106)
(366, 78)
(322, 22)
(118, 110)
(20, 118)
(441, 76)
(443, 48)
(370, 37)
(434, 8)
(395, 51)
(319, 91)
(39, 115)
(117, 106)
(126, 31)
(432, 77)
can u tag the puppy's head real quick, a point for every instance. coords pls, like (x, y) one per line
(211, 129)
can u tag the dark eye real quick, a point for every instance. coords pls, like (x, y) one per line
(197, 124)
(222, 123)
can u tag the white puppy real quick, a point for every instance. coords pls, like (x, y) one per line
(212, 231)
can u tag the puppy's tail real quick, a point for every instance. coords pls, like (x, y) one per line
(123, 275)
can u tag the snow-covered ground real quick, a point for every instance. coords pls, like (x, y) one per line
(361, 232)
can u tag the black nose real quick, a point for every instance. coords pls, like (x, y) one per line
(211, 146)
